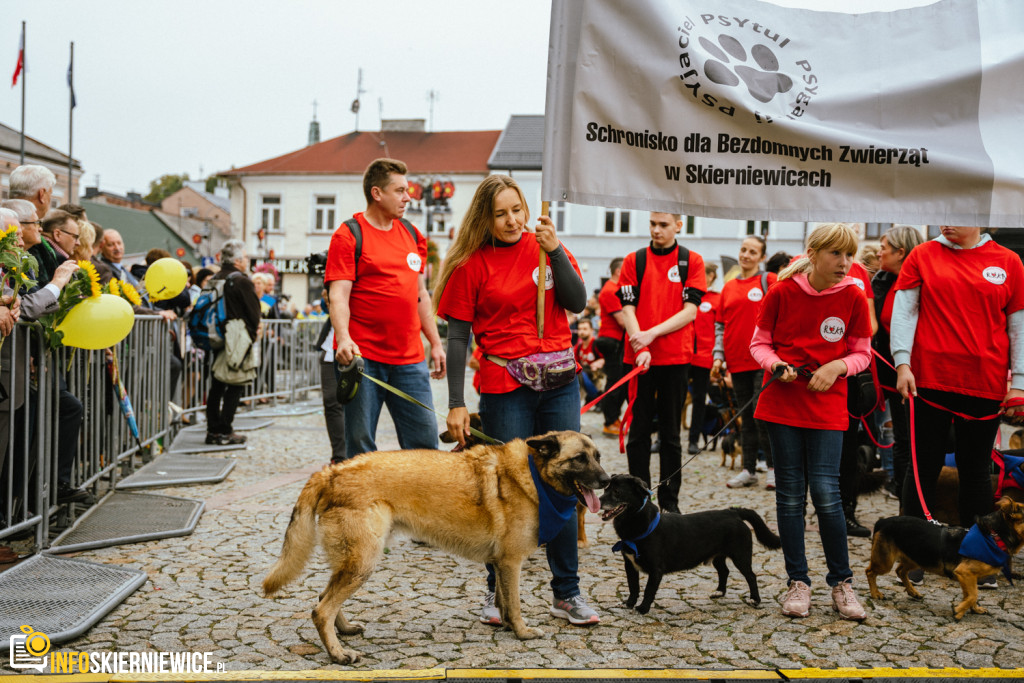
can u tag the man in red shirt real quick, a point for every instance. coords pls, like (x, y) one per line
(379, 304)
(609, 342)
(588, 357)
(659, 310)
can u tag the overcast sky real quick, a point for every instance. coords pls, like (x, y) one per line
(201, 86)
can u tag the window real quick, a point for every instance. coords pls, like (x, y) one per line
(323, 221)
(616, 220)
(270, 212)
(189, 212)
(556, 210)
(875, 230)
(757, 228)
(691, 225)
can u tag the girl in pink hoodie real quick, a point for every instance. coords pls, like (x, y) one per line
(813, 330)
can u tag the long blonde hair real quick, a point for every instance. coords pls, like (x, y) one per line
(839, 236)
(476, 228)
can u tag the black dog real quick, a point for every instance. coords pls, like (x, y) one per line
(679, 542)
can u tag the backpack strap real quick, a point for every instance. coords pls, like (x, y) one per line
(357, 235)
(683, 256)
(764, 281)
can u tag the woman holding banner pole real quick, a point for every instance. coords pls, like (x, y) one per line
(488, 285)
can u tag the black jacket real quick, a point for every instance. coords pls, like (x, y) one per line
(240, 300)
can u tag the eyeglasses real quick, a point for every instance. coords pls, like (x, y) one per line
(72, 234)
(29, 222)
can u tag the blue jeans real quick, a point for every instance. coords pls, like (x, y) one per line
(809, 458)
(416, 427)
(521, 414)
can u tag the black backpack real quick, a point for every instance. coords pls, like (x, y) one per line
(683, 255)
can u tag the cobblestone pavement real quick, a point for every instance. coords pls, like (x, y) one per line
(420, 606)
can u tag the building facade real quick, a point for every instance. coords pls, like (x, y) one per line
(43, 155)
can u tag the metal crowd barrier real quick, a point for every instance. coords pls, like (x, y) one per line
(289, 367)
(106, 442)
(109, 449)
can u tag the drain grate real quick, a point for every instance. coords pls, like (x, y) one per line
(172, 469)
(195, 442)
(130, 518)
(61, 597)
(240, 424)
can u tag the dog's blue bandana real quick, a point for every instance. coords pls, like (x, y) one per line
(977, 545)
(630, 544)
(553, 509)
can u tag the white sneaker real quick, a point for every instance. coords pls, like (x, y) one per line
(742, 479)
(769, 482)
(762, 466)
(489, 613)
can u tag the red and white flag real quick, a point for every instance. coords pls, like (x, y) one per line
(21, 58)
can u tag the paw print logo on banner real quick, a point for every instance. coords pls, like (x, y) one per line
(729, 67)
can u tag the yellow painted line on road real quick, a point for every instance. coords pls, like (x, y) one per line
(537, 674)
(883, 672)
(629, 674)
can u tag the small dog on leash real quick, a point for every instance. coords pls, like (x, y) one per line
(677, 542)
(472, 440)
(917, 543)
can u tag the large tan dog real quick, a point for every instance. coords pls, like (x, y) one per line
(479, 503)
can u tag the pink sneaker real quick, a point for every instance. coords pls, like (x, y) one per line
(844, 601)
(797, 602)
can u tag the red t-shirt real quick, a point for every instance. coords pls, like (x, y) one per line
(659, 298)
(961, 344)
(384, 320)
(860, 277)
(741, 301)
(586, 353)
(810, 330)
(496, 290)
(608, 298)
(704, 330)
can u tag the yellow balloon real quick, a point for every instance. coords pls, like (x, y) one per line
(98, 322)
(165, 279)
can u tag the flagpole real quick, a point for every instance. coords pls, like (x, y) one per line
(24, 77)
(71, 116)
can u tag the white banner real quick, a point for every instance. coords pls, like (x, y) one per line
(747, 110)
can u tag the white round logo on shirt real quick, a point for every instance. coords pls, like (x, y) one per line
(673, 273)
(705, 306)
(549, 281)
(755, 294)
(832, 329)
(414, 261)
(995, 275)
(860, 283)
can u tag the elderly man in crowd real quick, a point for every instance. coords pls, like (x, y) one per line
(34, 183)
(59, 237)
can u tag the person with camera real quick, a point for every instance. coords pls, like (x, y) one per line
(379, 305)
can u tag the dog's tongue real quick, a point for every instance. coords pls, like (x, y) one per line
(590, 498)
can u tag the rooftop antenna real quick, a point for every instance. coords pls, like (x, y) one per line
(355, 102)
(433, 95)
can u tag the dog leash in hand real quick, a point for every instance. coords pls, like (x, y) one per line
(401, 394)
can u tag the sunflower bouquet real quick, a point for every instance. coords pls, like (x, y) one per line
(15, 262)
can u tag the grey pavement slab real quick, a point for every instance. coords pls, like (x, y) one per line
(420, 606)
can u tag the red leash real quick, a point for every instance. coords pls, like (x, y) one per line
(625, 378)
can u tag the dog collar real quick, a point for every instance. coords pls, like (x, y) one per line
(553, 508)
(630, 544)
